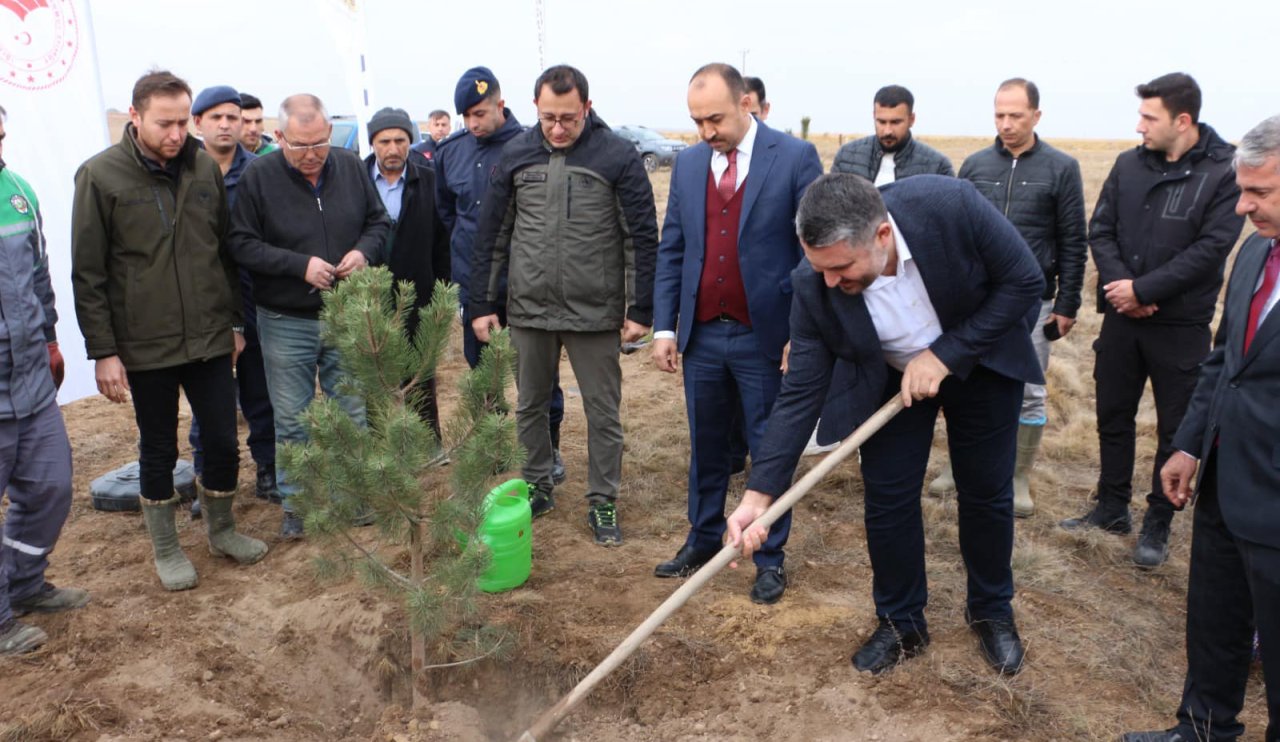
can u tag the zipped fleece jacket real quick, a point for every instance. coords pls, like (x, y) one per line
(280, 222)
(863, 156)
(1169, 226)
(153, 281)
(27, 314)
(1042, 194)
(567, 226)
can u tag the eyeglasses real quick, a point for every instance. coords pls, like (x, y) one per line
(305, 148)
(565, 122)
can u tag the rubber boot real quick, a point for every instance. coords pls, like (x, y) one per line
(1028, 444)
(223, 539)
(943, 483)
(172, 566)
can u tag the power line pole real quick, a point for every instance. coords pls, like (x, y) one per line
(744, 60)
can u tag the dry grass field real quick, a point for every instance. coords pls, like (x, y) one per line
(267, 653)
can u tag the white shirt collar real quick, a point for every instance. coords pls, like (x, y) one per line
(904, 254)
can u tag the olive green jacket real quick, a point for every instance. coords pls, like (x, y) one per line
(153, 281)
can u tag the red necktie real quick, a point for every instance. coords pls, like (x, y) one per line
(1260, 298)
(728, 184)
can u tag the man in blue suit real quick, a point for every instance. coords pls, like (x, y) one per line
(928, 293)
(1230, 440)
(722, 296)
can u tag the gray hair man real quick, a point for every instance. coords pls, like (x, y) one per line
(1228, 436)
(306, 217)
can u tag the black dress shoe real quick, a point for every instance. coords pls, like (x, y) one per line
(771, 583)
(1167, 735)
(1111, 520)
(688, 560)
(1000, 643)
(887, 647)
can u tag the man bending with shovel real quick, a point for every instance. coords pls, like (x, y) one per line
(927, 292)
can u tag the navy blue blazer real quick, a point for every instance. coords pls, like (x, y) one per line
(782, 167)
(982, 280)
(1237, 403)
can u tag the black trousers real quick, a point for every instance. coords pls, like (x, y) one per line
(1234, 589)
(255, 403)
(1128, 352)
(982, 427)
(211, 391)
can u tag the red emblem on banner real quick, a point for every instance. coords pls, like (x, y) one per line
(38, 42)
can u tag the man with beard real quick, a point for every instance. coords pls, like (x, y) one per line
(418, 248)
(252, 135)
(891, 153)
(217, 116)
(722, 297)
(929, 293)
(1160, 234)
(158, 300)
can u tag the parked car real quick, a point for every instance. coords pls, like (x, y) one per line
(346, 133)
(656, 150)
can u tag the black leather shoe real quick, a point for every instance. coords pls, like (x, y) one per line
(887, 647)
(1108, 519)
(771, 583)
(1000, 643)
(1153, 542)
(688, 560)
(1167, 735)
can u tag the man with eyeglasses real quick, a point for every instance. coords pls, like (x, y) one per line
(305, 217)
(569, 220)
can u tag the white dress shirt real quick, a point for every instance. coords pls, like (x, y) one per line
(888, 170)
(905, 319)
(720, 161)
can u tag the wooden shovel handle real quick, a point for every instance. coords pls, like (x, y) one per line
(545, 723)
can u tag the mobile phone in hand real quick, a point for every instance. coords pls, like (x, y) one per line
(1051, 330)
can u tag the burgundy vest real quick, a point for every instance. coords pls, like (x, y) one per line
(720, 290)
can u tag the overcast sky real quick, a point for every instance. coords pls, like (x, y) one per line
(824, 59)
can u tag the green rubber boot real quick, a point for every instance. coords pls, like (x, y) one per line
(943, 483)
(1028, 445)
(223, 539)
(175, 570)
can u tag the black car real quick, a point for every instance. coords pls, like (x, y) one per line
(655, 149)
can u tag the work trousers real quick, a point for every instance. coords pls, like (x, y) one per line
(35, 472)
(594, 358)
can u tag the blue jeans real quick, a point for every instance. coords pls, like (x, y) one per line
(293, 356)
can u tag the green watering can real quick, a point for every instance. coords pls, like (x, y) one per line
(507, 529)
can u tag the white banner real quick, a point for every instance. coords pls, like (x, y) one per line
(344, 20)
(57, 120)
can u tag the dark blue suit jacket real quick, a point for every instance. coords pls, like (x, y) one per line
(1237, 403)
(982, 280)
(781, 168)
